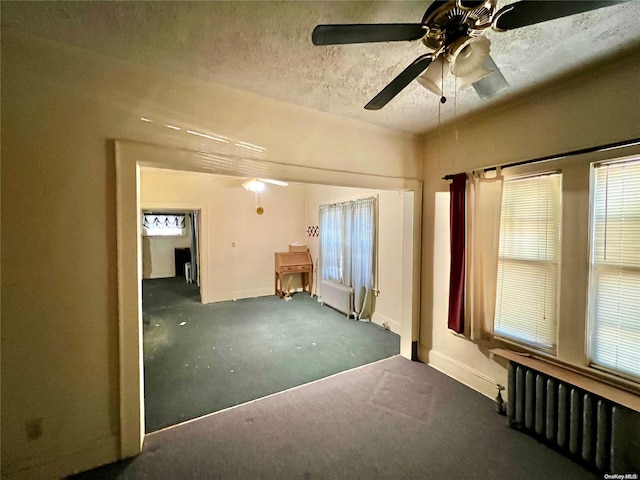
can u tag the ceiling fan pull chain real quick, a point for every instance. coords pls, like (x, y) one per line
(455, 96)
(443, 99)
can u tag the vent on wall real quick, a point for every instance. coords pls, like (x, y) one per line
(590, 429)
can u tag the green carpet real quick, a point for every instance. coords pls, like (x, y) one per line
(200, 359)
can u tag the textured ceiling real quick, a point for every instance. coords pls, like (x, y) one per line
(265, 48)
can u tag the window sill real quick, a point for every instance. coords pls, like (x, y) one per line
(620, 393)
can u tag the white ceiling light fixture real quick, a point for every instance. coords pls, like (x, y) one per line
(431, 79)
(492, 83)
(258, 184)
(253, 185)
(467, 56)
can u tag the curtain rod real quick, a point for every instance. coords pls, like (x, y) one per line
(599, 148)
(350, 200)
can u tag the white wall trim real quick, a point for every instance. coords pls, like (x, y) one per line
(203, 242)
(380, 319)
(462, 373)
(241, 294)
(130, 156)
(129, 301)
(166, 274)
(65, 461)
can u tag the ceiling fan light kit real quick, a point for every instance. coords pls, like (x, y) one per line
(431, 78)
(258, 184)
(453, 30)
(253, 185)
(467, 56)
(492, 83)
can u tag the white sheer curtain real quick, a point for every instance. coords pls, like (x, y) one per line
(359, 251)
(331, 240)
(347, 248)
(484, 203)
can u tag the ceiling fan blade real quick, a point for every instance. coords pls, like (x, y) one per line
(521, 14)
(365, 33)
(418, 66)
(273, 182)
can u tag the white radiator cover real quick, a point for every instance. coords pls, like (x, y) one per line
(337, 296)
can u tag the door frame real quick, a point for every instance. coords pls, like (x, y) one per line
(203, 237)
(130, 156)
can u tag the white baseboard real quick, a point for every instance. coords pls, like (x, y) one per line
(161, 275)
(65, 462)
(460, 372)
(240, 294)
(380, 319)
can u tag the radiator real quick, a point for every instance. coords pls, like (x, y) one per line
(592, 430)
(337, 296)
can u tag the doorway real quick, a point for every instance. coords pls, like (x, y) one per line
(130, 156)
(170, 244)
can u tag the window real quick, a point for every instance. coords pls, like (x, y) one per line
(528, 263)
(347, 243)
(163, 225)
(614, 293)
(331, 242)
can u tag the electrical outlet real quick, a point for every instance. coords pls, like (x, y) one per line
(34, 428)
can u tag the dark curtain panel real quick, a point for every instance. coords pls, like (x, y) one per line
(456, 278)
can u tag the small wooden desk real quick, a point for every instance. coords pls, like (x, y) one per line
(293, 262)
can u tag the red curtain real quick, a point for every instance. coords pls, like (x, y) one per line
(456, 278)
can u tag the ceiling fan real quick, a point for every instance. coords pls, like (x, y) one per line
(453, 31)
(258, 184)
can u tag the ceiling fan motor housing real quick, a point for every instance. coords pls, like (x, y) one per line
(448, 21)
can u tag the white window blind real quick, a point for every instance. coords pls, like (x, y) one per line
(529, 254)
(614, 312)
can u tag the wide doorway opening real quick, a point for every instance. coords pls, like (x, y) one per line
(280, 310)
(266, 227)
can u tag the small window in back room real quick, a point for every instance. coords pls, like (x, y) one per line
(163, 224)
(528, 263)
(614, 287)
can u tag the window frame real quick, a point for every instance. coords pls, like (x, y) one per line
(345, 240)
(596, 270)
(573, 335)
(542, 264)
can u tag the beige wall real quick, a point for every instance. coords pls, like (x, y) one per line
(239, 242)
(598, 108)
(60, 109)
(388, 307)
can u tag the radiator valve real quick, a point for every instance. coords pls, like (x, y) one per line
(501, 407)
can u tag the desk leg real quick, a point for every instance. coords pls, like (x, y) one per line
(279, 284)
